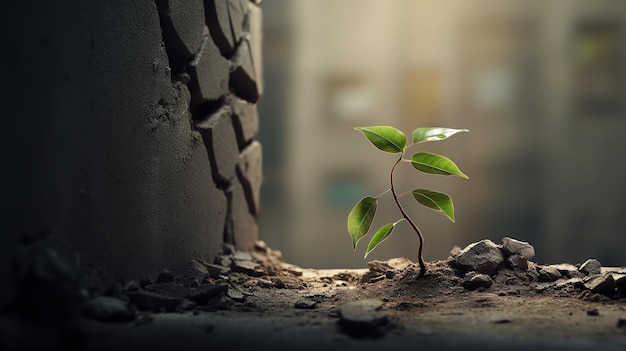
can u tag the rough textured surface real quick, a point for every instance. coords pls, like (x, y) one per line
(110, 171)
(243, 78)
(591, 266)
(515, 247)
(483, 257)
(218, 19)
(244, 224)
(245, 120)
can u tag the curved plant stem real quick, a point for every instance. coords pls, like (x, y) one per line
(417, 231)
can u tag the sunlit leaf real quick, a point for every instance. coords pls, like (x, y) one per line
(437, 201)
(360, 218)
(380, 236)
(435, 164)
(385, 138)
(421, 135)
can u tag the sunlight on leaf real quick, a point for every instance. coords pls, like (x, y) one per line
(421, 135)
(437, 201)
(435, 164)
(380, 236)
(385, 138)
(360, 219)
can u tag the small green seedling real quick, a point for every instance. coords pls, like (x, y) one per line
(391, 140)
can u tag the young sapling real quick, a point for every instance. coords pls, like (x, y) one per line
(392, 140)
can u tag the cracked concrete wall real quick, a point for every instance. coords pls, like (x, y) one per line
(128, 137)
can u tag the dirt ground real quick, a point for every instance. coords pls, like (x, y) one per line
(258, 311)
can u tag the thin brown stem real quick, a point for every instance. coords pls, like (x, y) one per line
(417, 231)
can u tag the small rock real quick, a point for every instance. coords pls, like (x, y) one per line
(593, 312)
(260, 245)
(603, 284)
(109, 309)
(548, 274)
(516, 247)
(518, 261)
(483, 257)
(196, 269)
(242, 256)
(474, 281)
(132, 286)
(305, 304)
(455, 251)
(362, 316)
(621, 323)
(235, 295)
(247, 267)
(591, 266)
(165, 276)
(215, 270)
(567, 269)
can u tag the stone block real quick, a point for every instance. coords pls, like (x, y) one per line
(209, 74)
(244, 224)
(243, 79)
(220, 141)
(250, 173)
(245, 119)
(183, 26)
(218, 20)
(255, 23)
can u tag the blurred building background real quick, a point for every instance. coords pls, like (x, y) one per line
(541, 84)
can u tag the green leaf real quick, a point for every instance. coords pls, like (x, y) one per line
(421, 135)
(360, 218)
(385, 138)
(380, 236)
(435, 164)
(437, 201)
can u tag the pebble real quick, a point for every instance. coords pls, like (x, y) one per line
(483, 256)
(548, 274)
(305, 304)
(590, 267)
(518, 261)
(362, 316)
(235, 295)
(195, 269)
(515, 247)
(603, 284)
(474, 281)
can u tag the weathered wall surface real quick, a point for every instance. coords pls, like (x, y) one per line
(127, 137)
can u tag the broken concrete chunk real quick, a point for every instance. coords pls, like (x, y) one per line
(109, 309)
(208, 74)
(305, 304)
(518, 261)
(243, 79)
(218, 20)
(361, 316)
(603, 284)
(247, 267)
(165, 276)
(483, 257)
(219, 137)
(548, 274)
(516, 247)
(591, 266)
(473, 281)
(196, 269)
(250, 173)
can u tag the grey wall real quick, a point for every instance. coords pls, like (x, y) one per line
(127, 137)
